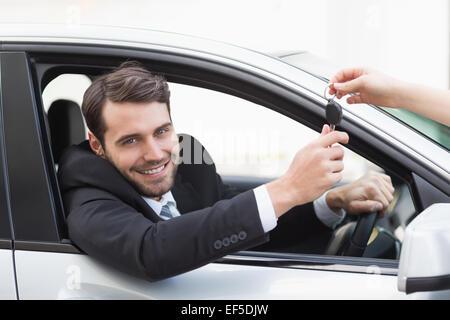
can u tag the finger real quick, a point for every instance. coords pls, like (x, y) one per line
(332, 89)
(388, 182)
(380, 197)
(355, 99)
(335, 153)
(347, 74)
(336, 166)
(386, 177)
(385, 188)
(362, 206)
(325, 129)
(352, 86)
(374, 192)
(391, 188)
(339, 95)
(332, 138)
(388, 187)
(386, 194)
(335, 177)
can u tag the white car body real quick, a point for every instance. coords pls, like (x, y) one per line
(40, 274)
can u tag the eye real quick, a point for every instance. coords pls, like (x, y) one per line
(130, 141)
(161, 131)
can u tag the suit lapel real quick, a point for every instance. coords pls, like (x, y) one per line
(186, 197)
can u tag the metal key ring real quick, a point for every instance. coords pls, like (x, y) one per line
(325, 94)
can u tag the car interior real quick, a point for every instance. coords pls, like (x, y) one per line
(65, 127)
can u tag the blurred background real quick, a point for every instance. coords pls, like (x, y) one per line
(408, 39)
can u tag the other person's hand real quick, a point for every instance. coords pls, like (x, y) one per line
(370, 86)
(373, 87)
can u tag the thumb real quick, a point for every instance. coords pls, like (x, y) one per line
(352, 86)
(325, 129)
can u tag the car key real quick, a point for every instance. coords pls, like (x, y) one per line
(333, 113)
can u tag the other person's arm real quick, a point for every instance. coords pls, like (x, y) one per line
(380, 89)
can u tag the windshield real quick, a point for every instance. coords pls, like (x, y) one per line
(436, 131)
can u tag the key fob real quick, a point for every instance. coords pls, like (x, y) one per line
(333, 113)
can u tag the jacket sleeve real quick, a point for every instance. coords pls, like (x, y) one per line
(115, 233)
(298, 230)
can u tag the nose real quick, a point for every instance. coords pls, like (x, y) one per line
(153, 151)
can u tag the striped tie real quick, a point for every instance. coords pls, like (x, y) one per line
(165, 212)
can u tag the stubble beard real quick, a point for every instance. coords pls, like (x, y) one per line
(156, 188)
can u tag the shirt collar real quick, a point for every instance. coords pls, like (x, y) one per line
(166, 198)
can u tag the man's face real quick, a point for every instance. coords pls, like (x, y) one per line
(141, 143)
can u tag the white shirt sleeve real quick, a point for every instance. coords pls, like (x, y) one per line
(265, 208)
(269, 220)
(329, 217)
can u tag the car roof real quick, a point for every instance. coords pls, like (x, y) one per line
(162, 41)
(295, 77)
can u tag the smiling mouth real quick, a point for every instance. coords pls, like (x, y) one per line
(153, 171)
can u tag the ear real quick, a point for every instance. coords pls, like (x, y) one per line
(96, 146)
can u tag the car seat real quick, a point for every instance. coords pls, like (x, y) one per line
(66, 126)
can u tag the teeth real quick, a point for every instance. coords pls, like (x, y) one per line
(153, 171)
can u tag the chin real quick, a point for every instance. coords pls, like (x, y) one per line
(155, 190)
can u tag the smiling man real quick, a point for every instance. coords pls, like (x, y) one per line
(135, 203)
(151, 170)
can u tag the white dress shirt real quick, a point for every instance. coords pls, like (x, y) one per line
(265, 208)
(269, 220)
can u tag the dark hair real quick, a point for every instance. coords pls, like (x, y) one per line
(130, 82)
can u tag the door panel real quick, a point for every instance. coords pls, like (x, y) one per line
(47, 275)
(7, 284)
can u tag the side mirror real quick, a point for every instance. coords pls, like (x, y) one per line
(425, 256)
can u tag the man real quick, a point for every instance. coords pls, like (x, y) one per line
(132, 205)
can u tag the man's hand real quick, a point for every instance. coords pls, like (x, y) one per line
(372, 192)
(314, 169)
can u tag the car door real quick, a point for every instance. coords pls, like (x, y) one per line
(7, 276)
(49, 266)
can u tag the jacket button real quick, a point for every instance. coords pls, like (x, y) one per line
(226, 242)
(218, 244)
(242, 235)
(234, 238)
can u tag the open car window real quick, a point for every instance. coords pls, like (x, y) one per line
(251, 145)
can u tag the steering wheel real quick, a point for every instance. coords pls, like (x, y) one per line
(361, 234)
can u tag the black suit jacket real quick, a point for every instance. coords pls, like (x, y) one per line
(111, 222)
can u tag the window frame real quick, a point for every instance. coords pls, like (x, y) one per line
(48, 61)
(36, 218)
(6, 235)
